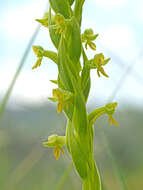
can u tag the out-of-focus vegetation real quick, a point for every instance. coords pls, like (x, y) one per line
(26, 165)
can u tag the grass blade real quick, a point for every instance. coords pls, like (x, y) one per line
(117, 169)
(64, 177)
(24, 167)
(10, 88)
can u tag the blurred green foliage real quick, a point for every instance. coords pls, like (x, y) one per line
(26, 165)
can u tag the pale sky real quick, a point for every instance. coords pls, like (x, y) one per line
(120, 27)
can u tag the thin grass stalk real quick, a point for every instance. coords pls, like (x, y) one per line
(17, 73)
(117, 170)
(64, 177)
(23, 168)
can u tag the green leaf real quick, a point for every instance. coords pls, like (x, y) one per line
(92, 182)
(71, 1)
(77, 152)
(80, 120)
(54, 37)
(62, 7)
(78, 10)
(73, 38)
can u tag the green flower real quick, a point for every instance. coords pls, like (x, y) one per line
(110, 109)
(87, 37)
(60, 22)
(56, 142)
(63, 97)
(39, 51)
(98, 62)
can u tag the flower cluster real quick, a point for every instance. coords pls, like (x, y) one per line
(73, 86)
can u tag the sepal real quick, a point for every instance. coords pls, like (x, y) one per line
(44, 20)
(54, 81)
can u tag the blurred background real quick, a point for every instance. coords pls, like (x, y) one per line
(29, 118)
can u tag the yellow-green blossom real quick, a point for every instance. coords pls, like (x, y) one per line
(62, 97)
(110, 109)
(40, 53)
(56, 142)
(99, 62)
(87, 37)
(38, 50)
(74, 82)
(60, 22)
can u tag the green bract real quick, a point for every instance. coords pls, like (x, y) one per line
(73, 86)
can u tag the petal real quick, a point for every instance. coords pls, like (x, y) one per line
(98, 73)
(56, 153)
(103, 72)
(110, 119)
(59, 107)
(92, 45)
(86, 45)
(38, 63)
(114, 122)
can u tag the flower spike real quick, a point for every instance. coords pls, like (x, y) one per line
(73, 86)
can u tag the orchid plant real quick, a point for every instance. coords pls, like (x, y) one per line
(63, 21)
